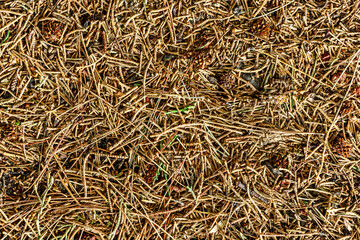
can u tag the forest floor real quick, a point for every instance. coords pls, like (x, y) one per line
(163, 119)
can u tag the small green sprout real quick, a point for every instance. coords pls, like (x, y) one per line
(157, 174)
(6, 38)
(172, 141)
(108, 224)
(190, 189)
(184, 110)
(356, 169)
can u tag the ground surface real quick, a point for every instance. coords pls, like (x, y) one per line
(179, 119)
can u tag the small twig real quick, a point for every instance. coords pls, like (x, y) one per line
(252, 192)
(272, 11)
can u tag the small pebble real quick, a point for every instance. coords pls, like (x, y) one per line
(238, 11)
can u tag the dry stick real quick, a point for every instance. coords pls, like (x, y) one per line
(18, 218)
(213, 137)
(84, 174)
(272, 11)
(48, 161)
(149, 123)
(336, 116)
(259, 9)
(63, 182)
(293, 235)
(171, 139)
(246, 127)
(252, 192)
(198, 231)
(292, 67)
(9, 24)
(145, 214)
(347, 66)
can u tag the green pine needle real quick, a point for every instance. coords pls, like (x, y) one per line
(6, 38)
(184, 110)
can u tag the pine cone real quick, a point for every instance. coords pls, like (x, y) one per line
(342, 147)
(52, 31)
(227, 80)
(150, 174)
(339, 77)
(204, 42)
(346, 108)
(261, 28)
(279, 160)
(200, 59)
(357, 91)
(201, 54)
(7, 132)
